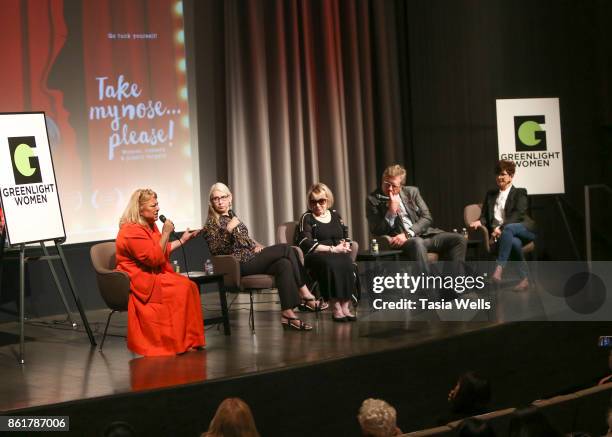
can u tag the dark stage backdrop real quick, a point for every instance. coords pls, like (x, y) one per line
(291, 92)
(337, 90)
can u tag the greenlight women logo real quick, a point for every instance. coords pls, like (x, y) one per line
(25, 162)
(528, 133)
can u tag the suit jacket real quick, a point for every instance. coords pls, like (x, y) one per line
(515, 209)
(417, 209)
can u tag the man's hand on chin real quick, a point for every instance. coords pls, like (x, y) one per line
(398, 240)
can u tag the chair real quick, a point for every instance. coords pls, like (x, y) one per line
(229, 266)
(114, 285)
(472, 213)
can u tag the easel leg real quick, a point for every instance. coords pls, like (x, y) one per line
(58, 285)
(77, 300)
(21, 303)
(567, 227)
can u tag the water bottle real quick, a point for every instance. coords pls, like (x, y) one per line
(176, 267)
(465, 233)
(374, 246)
(208, 267)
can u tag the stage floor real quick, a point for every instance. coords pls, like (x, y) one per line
(61, 366)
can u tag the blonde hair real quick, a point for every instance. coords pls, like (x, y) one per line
(394, 171)
(232, 419)
(131, 214)
(218, 186)
(377, 418)
(319, 188)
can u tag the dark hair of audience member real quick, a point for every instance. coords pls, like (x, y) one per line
(531, 422)
(232, 419)
(119, 429)
(473, 427)
(471, 394)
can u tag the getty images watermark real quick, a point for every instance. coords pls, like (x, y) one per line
(558, 291)
(409, 283)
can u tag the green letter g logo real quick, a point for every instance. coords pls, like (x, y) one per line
(25, 162)
(528, 133)
(21, 158)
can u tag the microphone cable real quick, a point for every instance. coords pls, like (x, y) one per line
(162, 218)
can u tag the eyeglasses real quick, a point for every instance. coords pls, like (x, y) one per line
(321, 201)
(390, 185)
(218, 199)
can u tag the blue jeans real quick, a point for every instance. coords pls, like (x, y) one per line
(512, 239)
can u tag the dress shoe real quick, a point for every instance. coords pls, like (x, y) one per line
(339, 319)
(351, 318)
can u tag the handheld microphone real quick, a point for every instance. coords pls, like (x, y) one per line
(379, 197)
(162, 218)
(230, 213)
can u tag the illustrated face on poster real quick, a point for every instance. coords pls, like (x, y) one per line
(112, 80)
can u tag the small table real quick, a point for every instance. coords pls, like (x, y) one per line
(202, 278)
(366, 255)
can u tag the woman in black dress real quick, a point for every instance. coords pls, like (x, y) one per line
(322, 236)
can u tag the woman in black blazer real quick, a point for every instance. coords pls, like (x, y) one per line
(504, 214)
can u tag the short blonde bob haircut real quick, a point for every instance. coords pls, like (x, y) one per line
(377, 418)
(393, 171)
(138, 199)
(320, 188)
(218, 186)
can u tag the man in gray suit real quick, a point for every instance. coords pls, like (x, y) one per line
(398, 215)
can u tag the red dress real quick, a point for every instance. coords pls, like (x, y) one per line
(164, 310)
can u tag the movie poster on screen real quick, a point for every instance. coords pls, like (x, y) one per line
(112, 78)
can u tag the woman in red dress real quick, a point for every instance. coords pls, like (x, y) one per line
(164, 310)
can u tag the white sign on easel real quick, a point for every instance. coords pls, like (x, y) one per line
(28, 188)
(529, 133)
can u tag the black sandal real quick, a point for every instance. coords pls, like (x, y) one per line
(295, 323)
(322, 305)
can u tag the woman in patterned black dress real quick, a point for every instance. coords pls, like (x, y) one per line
(227, 235)
(322, 236)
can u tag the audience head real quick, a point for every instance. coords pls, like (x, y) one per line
(320, 198)
(393, 178)
(141, 208)
(377, 418)
(470, 395)
(219, 200)
(119, 429)
(531, 422)
(473, 427)
(232, 419)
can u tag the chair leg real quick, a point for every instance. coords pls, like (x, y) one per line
(251, 312)
(106, 328)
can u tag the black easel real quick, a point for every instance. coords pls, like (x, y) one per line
(558, 200)
(49, 258)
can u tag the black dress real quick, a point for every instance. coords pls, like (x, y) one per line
(333, 271)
